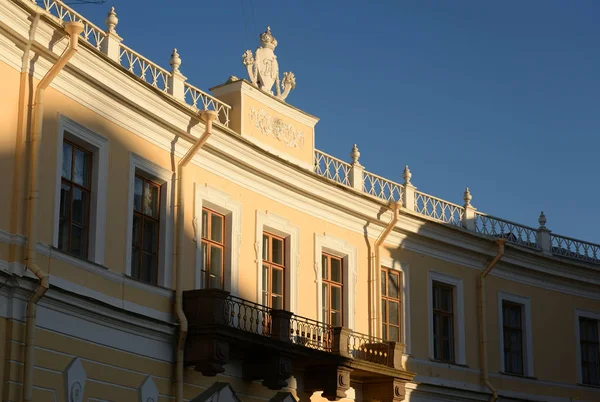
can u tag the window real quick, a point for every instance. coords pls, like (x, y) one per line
(390, 304)
(212, 249)
(146, 229)
(443, 322)
(273, 277)
(512, 324)
(589, 343)
(332, 289)
(75, 196)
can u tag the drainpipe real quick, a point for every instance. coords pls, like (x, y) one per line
(482, 328)
(21, 133)
(73, 29)
(208, 116)
(376, 328)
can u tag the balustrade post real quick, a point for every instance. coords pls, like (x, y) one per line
(280, 325)
(341, 337)
(409, 191)
(176, 79)
(543, 235)
(468, 220)
(206, 307)
(396, 354)
(357, 170)
(111, 45)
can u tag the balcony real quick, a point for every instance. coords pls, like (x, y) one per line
(271, 343)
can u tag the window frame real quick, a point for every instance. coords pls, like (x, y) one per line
(205, 277)
(509, 305)
(330, 284)
(273, 265)
(386, 298)
(143, 216)
(527, 337)
(140, 166)
(450, 315)
(592, 315)
(459, 315)
(97, 145)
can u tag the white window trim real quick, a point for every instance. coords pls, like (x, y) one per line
(594, 315)
(403, 268)
(99, 148)
(526, 328)
(277, 225)
(166, 176)
(459, 314)
(340, 248)
(211, 198)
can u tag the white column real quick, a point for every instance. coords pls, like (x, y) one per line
(409, 190)
(176, 80)
(357, 170)
(469, 215)
(110, 46)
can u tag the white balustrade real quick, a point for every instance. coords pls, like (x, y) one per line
(200, 100)
(143, 68)
(438, 209)
(332, 168)
(513, 232)
(381, 187)
(63, 13)
(573, 248)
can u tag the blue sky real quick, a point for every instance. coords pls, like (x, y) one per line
(502, 97)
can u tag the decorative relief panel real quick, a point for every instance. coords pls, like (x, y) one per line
(75, 381)
(277, 128)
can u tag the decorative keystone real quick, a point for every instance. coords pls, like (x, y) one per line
(406, 175)
(354, 155)
(111, 20)
(148, 391)
(542, 220)
(75, 381)
(467, 197)
(175, 61)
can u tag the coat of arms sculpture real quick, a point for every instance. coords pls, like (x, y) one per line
(263, 69)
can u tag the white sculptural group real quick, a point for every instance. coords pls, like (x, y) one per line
(263, 69)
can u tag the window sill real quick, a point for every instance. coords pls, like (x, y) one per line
(517, 375)
(448, 363)
(76, 259)
(588, 385)
(140, 282)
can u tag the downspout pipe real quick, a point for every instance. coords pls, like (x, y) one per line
(73, 29)
(482, 327)
(208, 116)
(376, 328)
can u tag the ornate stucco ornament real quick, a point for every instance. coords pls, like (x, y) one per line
(263, 69)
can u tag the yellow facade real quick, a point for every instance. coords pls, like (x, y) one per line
(120, 332)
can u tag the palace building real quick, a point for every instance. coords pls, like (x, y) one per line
(158, 243)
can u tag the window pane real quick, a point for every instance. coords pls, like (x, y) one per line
(393, 285)
(137, 230)
(216, 266)
(383, 310)
(336, 298)
(77, 241)
(81, 169)
(394, 334)
(336, 318)
(150, 201)
(446, 299)
(383, 284)
(393, 306)
(265, 278)
(203, 265)
(447, 348)
(515, 317)
(436, 297)
(65, 201)
(150, 240)
(216, 228)
(148, 267)
(63, 235)
(277, 256)
(266, 247)
(325, 296)
(80, 206)
(277, 302)
(137, 194)
(336, 270)
(324, 267)
(67, 160)
(384, 332)
(277, 281)
(135, 262)
(505, 314)
(204, 224)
